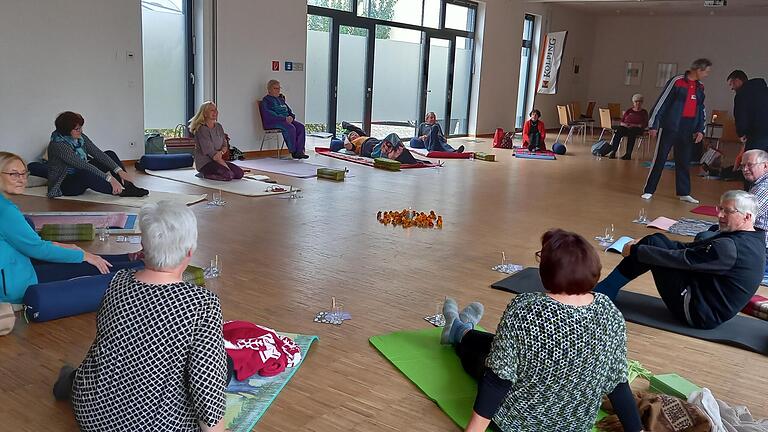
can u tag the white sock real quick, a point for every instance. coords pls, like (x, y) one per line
(688, 198)
(646, 196)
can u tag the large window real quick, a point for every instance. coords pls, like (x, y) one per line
(168, 64)
(526, 62)
(384, 63)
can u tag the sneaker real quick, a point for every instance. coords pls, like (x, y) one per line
(646, 196)
(62, 390)
(131, 190)
(688, 198)
(460, 149)
(298, 155)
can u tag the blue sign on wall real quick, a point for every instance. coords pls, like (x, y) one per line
(288, 66)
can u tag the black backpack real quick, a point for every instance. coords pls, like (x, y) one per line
(601, 148)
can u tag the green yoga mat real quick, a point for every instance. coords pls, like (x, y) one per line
(248, 400)
(434, 368)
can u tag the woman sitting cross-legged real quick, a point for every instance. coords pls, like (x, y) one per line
(26, 259)
(554, 354)
(158, 361)
(75, 164)
(430, 136)
(211, 145)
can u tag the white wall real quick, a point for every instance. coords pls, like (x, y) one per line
(65, 55)
(249, 35)
(571, 86)
(730, 42)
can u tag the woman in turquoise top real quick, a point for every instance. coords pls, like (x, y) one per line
(25, 258)
(276, 114)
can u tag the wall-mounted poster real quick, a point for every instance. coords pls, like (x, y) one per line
(551, 58)
(664, 72)
(633, 73)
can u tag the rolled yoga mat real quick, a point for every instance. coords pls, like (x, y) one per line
(740, 331)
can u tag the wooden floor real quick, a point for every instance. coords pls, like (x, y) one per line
(283, 259)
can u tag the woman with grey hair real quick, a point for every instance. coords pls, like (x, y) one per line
(276, 114)
(158, 360)
(633, 124)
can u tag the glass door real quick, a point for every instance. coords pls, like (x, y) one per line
(353, 80)
(439, 77)
(526, 59)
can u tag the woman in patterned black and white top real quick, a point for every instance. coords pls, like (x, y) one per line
(554, 354)
(158, 360)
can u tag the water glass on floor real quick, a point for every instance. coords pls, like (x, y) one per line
(103, 233)
(439, 317)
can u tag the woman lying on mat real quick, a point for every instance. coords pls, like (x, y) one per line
(276, 114)
(554, 354)
(25, 258)
(430, 136)
(391, 147)
(74, 163)
(158, 361)
(534, 132)
(211, 145)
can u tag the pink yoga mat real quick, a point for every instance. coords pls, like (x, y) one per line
(705, 210)
(112, 220)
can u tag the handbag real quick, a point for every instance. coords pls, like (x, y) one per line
(7, 318)
(181, 142)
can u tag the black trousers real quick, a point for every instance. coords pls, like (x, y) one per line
(671, 283)
(682, 141)
(472, 351)
(630, 133)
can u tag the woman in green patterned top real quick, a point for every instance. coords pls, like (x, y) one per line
(554, 354)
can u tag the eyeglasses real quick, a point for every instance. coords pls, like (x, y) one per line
(78, 128)
(538, 256)
(727, 210)
(17, 175)
(749, 165)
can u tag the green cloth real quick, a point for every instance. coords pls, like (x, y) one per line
(434, 368)
(194, 275)
(68, 232)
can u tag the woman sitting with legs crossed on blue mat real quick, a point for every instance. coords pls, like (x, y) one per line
(158, 361)
(430, 136)
(211, 145)
(554, 354)
(75, 164)
(26, 259)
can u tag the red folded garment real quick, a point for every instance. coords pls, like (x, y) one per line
(257, 349)
(705, 210)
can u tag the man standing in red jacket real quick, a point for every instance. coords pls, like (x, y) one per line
(679, 113)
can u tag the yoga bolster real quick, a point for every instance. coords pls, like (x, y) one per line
(54, 300)
(157, 162)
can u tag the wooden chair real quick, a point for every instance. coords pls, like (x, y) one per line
(271, 132)
(615, 111)
(578, 117)
(605, 122)
(564, 118)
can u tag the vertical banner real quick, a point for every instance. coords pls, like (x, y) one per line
(551, 58)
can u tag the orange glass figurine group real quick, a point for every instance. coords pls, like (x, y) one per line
(408, 218)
